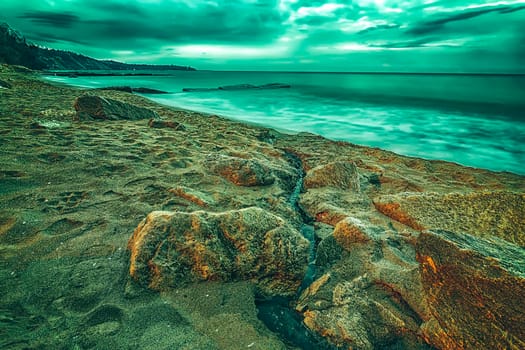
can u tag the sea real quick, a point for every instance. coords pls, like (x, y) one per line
(476, 120)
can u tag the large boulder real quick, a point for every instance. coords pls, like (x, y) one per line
(95, 107)
(475, 289)
(169, 249)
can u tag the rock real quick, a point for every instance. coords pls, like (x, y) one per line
(268, 136)
(342, 175)
(238, 87)
(349, 232)
(161, 124)
(356, 314)
(482, 214)
(5, 84)
(117, 88)
(143, 90)
(274, 86)
(475, 290)
(199, 89)
(95, 107)
(240, 171)
(169, 249)
(370, 296)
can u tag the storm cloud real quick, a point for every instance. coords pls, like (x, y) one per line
(370, 35)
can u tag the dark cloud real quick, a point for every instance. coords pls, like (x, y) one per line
(324, 31)
(405, 44)
(438, 24)
(378, 27)
(114, 8)
(54, 19)
(51, 38)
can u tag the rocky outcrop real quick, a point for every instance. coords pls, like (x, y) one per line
(129, 89)
(240, 171)
(482, 214)
(474, 289)
(369, 296)
(95, 107)
(169, 249)
(384, 289)
(270, 86)
(255, 87)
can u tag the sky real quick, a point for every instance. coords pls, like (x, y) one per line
(283, 35)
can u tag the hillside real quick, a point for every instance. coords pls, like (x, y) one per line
(16, 50)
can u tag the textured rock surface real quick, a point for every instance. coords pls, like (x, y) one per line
(475, 290)
(96, 107)
(169, 249)
(342, 175)
(370, 295)
(483, 214)
(241, 172)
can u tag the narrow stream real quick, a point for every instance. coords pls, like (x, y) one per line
(277, 313)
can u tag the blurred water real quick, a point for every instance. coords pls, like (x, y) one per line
(475, 120)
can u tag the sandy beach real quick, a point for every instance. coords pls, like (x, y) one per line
(409, 253)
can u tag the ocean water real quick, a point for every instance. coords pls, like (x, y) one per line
(474, 120)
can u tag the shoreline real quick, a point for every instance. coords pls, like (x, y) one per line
(450, 143)
(75, 195)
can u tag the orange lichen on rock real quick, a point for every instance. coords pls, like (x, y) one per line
(173, 248)
(427, 261)
(183, 193)
(6, 224)
(330, 218)
(349, 232)
(394, 211)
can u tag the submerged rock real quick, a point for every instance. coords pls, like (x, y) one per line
(117, 88)
(144, 90)
(475, 290)
(95, 107)
(240, 87)
(199, 89)
(169, 249)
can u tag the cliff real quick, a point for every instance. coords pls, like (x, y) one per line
(16, 50)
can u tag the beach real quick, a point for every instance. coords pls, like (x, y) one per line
(176, 231)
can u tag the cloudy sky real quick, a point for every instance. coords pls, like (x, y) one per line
(304, 35)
